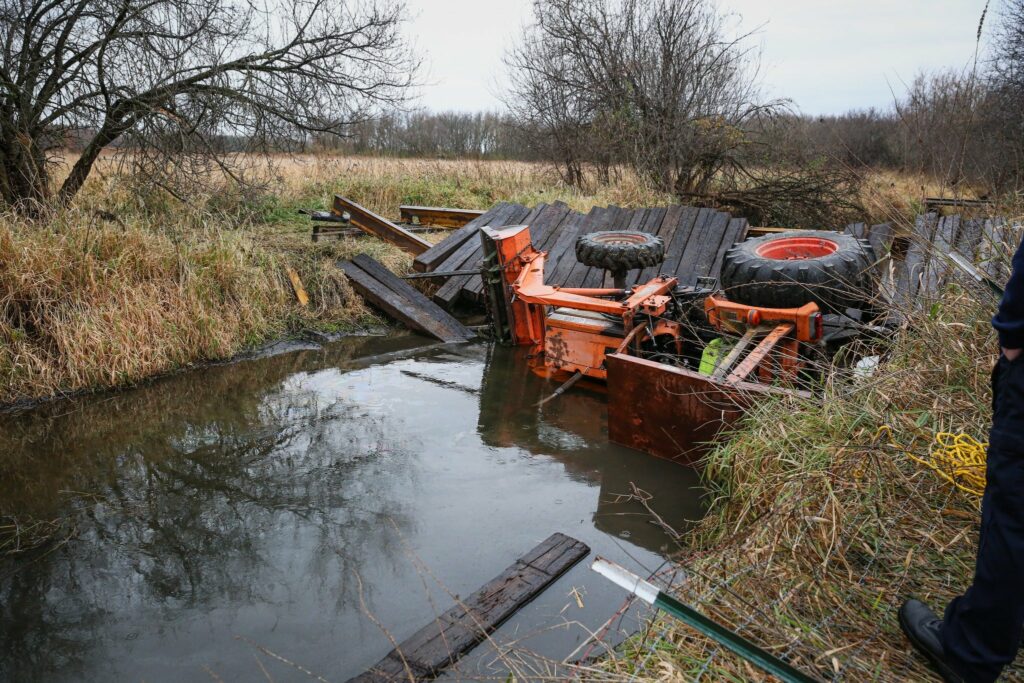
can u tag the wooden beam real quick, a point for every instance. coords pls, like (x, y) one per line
(438, 255)
(437, 216)
(441, 643)
(369, 222)
(412, 295)
(933, 202)
(411, 313)
(300, 292)
(340, 231)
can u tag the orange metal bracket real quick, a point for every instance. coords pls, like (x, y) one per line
(723, 313)
(759, 353)
(523, 274)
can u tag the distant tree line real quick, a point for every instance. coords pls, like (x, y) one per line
(489, 135)
(666, 88)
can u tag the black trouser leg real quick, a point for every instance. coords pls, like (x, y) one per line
(981, 631)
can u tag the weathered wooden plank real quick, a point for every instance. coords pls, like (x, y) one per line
(465, 253)
(341, 231)
(994, 252)
(542, 224)
(734, 233)
(880, 238)
(438, 216)
(675, 217)
(439, 253)
(686, 243)
(545, 223)
(300, 291)
(858, 230)
(597, 220)
(378, 226)
(651, 224)
(931, 203)
(396, 305)
(908, 279)
(440, 644)
(707, 249)
(412, 295)
(937, 263)
(969, 237)
(469, 254)
(540, 215)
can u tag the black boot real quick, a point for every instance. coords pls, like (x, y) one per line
(922, 628)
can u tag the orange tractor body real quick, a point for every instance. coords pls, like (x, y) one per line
(643, 343)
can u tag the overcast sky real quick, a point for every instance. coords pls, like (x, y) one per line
(828, 56)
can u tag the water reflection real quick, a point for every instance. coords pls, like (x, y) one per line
(282, 498)
(574, 430)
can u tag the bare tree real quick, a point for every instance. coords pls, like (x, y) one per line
(1006, 90)
(183, 80)
(661, 79)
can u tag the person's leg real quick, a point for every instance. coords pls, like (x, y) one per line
(981, 630)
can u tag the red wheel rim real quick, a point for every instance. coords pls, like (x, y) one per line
(620, 238)
(796, 248)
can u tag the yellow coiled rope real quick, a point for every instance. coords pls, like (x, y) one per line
(957, 458)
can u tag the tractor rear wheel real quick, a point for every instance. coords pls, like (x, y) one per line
(791, 269)
(618, 251)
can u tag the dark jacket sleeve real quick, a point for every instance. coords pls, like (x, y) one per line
(1009, 320)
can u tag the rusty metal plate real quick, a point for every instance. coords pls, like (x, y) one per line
(667, 411)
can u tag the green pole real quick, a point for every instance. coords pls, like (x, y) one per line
(731, 640)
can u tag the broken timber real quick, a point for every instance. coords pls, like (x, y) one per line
(402, 301)
(440, 644)
(437, 217)
(695, 240)
(340, 231)
(369, 222)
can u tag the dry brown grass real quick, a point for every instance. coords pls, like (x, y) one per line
(124, 286)
(86, 304)
(821, 527)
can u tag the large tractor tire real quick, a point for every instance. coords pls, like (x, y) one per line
(791, 269)
(619, 252)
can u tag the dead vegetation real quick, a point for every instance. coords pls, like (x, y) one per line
(124, 286)
(822, 523)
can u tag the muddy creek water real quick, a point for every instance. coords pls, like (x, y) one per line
(296, 506)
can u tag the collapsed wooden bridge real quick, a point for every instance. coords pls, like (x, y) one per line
(696, 240)
(912, 269)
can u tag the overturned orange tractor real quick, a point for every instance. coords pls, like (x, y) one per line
(679, 361)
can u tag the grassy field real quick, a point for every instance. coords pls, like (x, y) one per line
(822, 522)
(122, 287)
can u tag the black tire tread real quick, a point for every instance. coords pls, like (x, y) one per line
(592, 251)
(835, 282)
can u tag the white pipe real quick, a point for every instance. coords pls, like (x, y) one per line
(621, 576)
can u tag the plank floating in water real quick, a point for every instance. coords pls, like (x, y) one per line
(369, 222)
(440, 644)
(402, 301)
